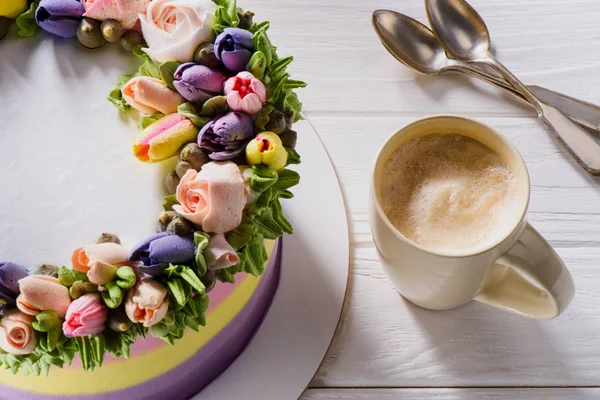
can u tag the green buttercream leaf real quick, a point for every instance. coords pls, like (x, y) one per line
(167, 72)
(126, 277)
(149, 120)
(254, 255)
(148, 68)
(294, 84)
(278, 216)
(50, 325)
(169, 202)
(292, 101)
(286, 178)
(263, 45)
(26, 21)
(263, 177)
(226, 15)
(201, 240)
(213, 106)
(188, 275)
(266, 225)
(178, 292)
(187, 110)
(241, 235)
(293, 156)
(116, 96)
(66, 276)
(286, 194)
(262, 26)
(227, 275)
(262, 118)
(80, 288)
(118, 344)
(277, 69)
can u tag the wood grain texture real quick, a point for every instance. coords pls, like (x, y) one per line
(451, 394)
(357, 96)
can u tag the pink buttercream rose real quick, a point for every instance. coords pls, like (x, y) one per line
(125, 11)
(85, 316)
(147, 303)
(151, 95)
(245, 93)
(174, 29)
(213, 198)
(40, 293)
(16, 334)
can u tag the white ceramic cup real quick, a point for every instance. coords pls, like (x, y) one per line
(520, 273)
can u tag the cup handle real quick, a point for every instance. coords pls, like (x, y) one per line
(530, 279)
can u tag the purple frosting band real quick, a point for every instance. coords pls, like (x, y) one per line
(190, 377)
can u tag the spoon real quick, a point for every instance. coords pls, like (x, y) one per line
(417, 47)
(465, 36)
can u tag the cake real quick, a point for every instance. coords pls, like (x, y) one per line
(164, 314)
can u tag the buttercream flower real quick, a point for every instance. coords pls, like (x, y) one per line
(16, 333)
(158, 251)
(150, 96)
(174, 29)
(40, 293)
(59, 17)
(12, 8)
(220, 254)
(147, 303)
(10, 274)
(224, 138)
(85, 316)
(164, 138)
(234, 48)
(245, 93)
(197, 83)
(267, 149)
(84, 258)
(125, 11)
(213, 198)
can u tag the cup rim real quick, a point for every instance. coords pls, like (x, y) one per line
(399, 235)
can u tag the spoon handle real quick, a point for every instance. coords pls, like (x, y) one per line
(575, 139)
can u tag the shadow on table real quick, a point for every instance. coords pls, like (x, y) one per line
(479, 344)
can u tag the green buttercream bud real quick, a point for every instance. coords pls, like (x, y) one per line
(48, 322)
(245, 19)
(118, 321)
(48, 270)
(289, 138)
(113, 295)
(80, 288)
(126, 277)
(172, 181)
(4, 24)
(182, 167)
(109, 238)
(89, 34)
(257, 64)
(68, 276)
(111, 30)
(194, 155)
(277, 123)
(205, 55)
(131, 39)
(180, 227)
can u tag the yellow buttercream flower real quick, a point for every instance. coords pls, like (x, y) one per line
(12, 8)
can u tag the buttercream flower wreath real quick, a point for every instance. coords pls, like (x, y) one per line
(212, 91)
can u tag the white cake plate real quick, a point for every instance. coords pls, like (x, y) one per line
(67, 172)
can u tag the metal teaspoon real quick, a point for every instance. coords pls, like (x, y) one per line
(465, 36)
(417, 47)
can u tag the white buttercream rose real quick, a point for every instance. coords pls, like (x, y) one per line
(174, 29)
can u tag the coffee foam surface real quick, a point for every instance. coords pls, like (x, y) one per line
(449, 193)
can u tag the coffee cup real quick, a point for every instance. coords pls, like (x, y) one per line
(514, 269)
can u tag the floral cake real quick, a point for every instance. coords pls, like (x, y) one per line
(176, 308)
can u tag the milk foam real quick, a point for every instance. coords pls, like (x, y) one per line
(449, 193)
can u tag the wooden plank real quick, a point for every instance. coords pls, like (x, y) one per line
(451, 394)
(553, 43)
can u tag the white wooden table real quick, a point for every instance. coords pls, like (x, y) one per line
(358, 94)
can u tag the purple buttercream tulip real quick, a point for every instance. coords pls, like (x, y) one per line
(234, 48)
(197, 83)
(226, 137)
(10, 274)
(60, 17)
(162, 249)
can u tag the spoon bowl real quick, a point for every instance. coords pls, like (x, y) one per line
(465, 35)
(411, 42)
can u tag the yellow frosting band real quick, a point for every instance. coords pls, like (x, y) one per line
(125, 373)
